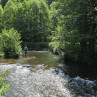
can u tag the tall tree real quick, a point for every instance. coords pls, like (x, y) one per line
(76, 22)
(34, 20)
(8, 15)
(30, 17)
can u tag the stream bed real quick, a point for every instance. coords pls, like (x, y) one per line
(42, 74)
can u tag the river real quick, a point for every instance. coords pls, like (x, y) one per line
(42, 74)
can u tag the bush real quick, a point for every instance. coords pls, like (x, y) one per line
(3, 85)
(10, 43)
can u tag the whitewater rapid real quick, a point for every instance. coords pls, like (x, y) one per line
(37, 81)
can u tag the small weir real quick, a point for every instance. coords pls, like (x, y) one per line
(38, 75)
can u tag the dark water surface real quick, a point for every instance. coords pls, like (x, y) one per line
(87, 72)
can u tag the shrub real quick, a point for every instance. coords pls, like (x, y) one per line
(10, 43)
(3, 85)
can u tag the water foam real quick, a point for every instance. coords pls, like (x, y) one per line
(39, 82)
(36, 83)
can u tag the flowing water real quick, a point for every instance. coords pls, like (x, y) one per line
(42, 74)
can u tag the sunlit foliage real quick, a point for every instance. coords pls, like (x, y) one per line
(74, 28)
(31, 18)
(3, 85)
(10, 43)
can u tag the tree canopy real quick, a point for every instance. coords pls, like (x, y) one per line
(69, 25)
(31, 18)
(74, 28)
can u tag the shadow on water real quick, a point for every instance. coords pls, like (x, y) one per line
(83, 70)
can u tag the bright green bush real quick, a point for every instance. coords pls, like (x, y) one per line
(3, 85)
(10, 43)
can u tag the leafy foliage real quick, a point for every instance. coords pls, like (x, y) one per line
(3, 85)
(10, 43)
(8, 15)
(74, 28)
(33, 22)
(71, 25)
(1, 15)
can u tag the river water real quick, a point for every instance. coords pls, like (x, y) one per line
(42, 74)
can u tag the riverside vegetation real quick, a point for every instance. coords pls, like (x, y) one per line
(69, 26)
(3, 85)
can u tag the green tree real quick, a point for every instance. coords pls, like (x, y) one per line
(33, 22)
(10, 43)
(83, 19)
(58, 29)
(31, 18)
(8, 15)
(75, 28)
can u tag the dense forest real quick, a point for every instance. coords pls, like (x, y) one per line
(68, 26)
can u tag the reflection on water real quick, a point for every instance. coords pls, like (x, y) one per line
(41, 57)
(34, 58)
